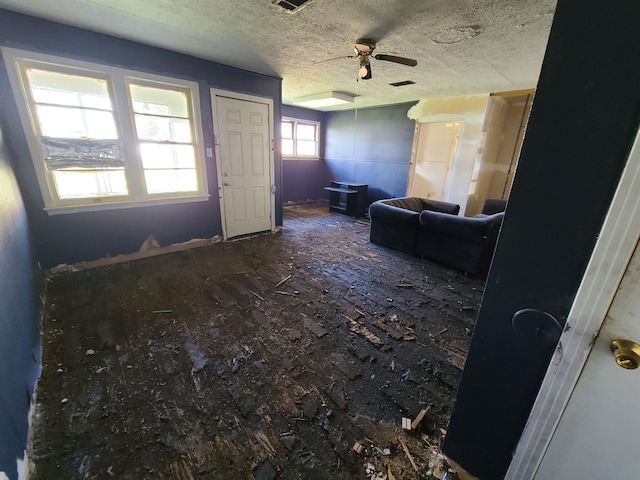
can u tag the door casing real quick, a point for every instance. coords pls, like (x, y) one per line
(216, 128)
(604, 272)
(423, 157)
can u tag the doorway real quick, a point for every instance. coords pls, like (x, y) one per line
(435, 154)
(243, 127)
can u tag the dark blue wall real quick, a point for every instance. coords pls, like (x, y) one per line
(582, 125)
(69, 238)
(304, 179)
(372, 146)
(19, 319)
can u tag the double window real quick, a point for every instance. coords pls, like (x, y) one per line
(300, 139)
(107, 137)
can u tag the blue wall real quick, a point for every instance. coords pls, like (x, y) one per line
(70, 238)
(372, 146)
(304, 179)
(19, 319)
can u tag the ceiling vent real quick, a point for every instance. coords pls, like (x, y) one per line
(402, 84)
(291, 6)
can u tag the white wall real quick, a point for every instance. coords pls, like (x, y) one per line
(490, 141)
(433, 158)
(509, 151)
(470, 111)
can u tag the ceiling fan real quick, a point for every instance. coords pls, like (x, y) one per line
(364, 48)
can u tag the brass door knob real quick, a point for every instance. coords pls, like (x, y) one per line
(626, 353)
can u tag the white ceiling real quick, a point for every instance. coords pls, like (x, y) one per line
(462, 47)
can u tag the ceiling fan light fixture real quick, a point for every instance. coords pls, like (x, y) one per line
(364, 46)
(365, 68)
(320, 100)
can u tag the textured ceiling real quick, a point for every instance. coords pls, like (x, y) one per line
(462, 47)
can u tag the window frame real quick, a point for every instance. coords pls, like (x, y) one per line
(118, 82)
(295, 156)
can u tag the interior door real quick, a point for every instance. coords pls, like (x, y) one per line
(244, 156)
(597, 435)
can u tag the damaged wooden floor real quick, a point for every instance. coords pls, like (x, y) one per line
(294, 356)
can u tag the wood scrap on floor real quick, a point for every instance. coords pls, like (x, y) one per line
(406, 423)
(409, 456)
(281, 292)
(393, 332)
(318, 330)
(344, 366)
(419, 417)
(357, 447)
(355, 327)
(283, 280)
(398, 333)
(264, 441)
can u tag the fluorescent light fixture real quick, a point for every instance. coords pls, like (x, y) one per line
(327, 99)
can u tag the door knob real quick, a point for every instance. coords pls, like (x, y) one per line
(626, 353)
(226, 184)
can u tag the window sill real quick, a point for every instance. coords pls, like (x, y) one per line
(120, 205)
(313, 159)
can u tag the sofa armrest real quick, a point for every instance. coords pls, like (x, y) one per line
(463, 227)
(493, 205)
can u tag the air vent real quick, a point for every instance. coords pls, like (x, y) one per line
(402, 84)
(291, 6)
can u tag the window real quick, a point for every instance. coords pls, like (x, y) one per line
(164, 137)
(300, 139)
(103, 137)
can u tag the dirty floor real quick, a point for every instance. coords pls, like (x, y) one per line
(293, 355)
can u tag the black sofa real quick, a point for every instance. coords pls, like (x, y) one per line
(395, 221)
(464, 243)
(493, 205)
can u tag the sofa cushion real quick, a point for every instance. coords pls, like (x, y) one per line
(438, 206)
(463, 243)
(474, 228)
(417, 204)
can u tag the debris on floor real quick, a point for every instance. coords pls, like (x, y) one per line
(286, 356)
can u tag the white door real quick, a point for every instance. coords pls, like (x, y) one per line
(243, 147)
(597, 437)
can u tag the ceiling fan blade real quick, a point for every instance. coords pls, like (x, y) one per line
(392, 58)
(332, 59)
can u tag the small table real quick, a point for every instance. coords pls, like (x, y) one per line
(348, 198)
